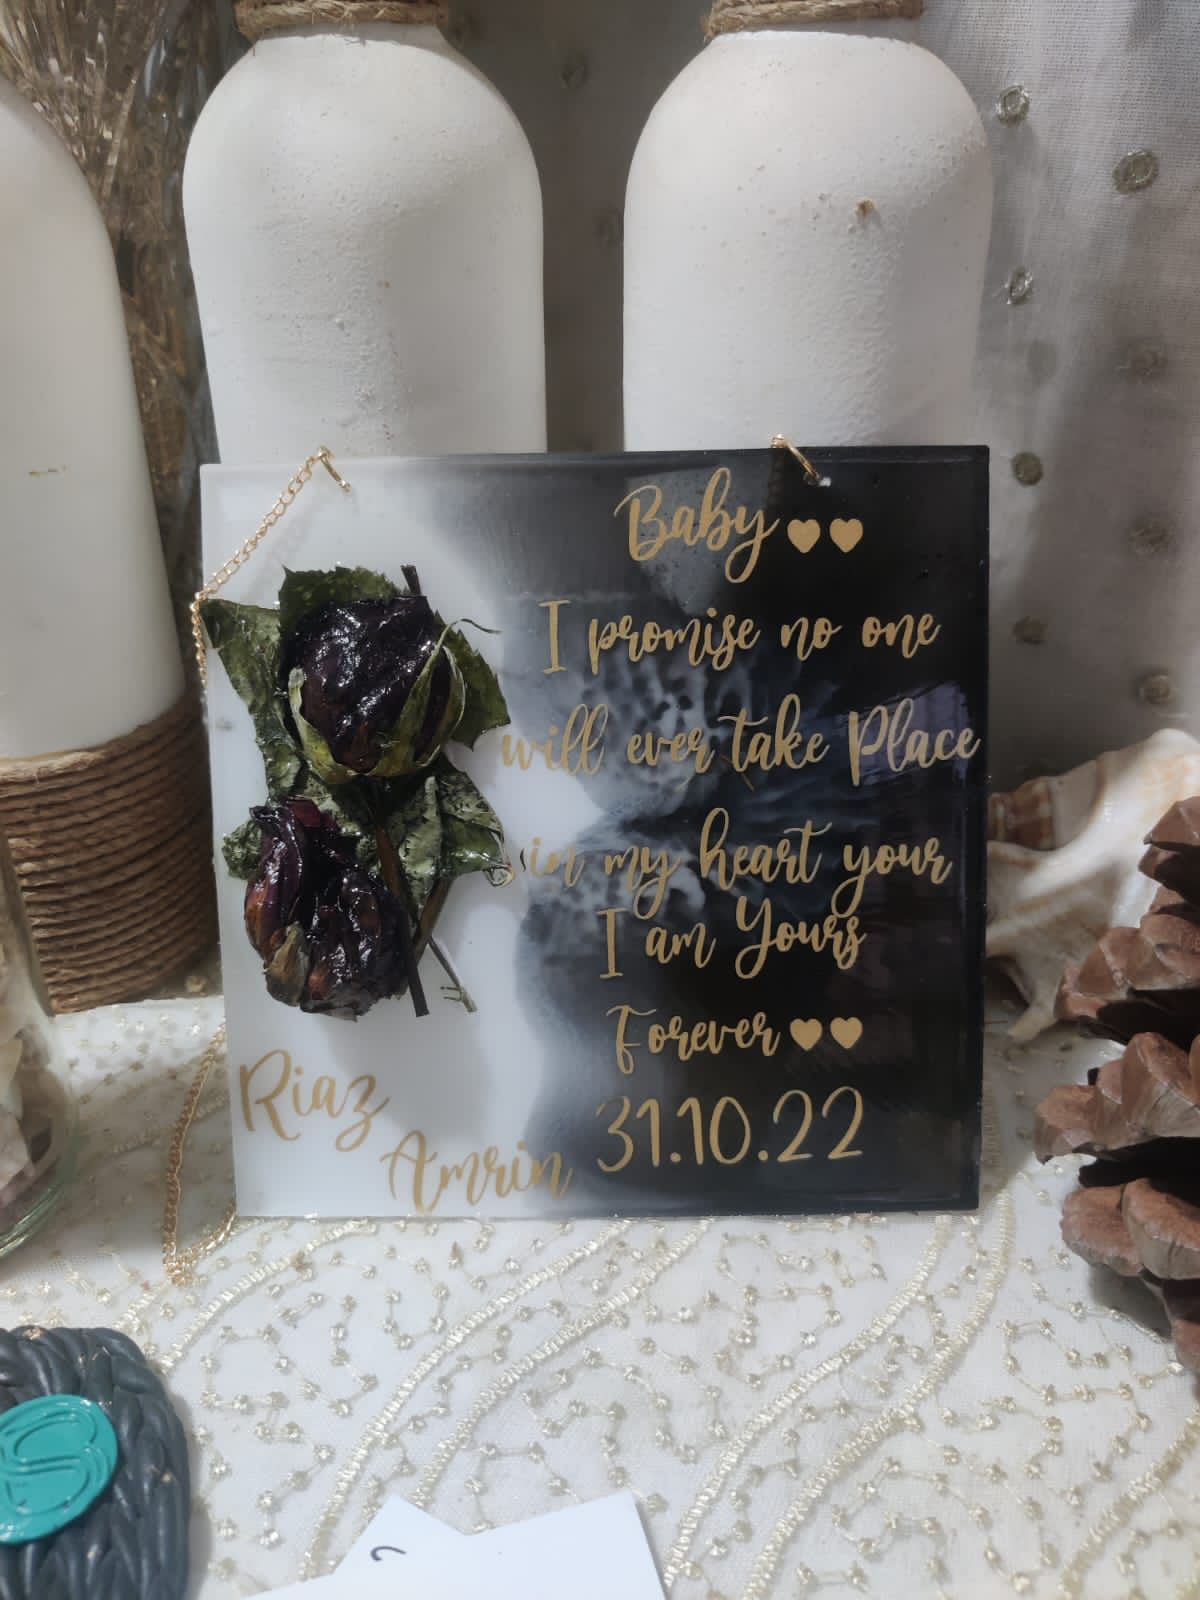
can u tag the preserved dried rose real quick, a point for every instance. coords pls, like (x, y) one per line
(331, 935)
(374, 688)
(354, 688)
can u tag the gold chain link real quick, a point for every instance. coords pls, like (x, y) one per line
(180, 1264)
(322, 457)
(782, 442)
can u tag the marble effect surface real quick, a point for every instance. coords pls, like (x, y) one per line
(938, 1405)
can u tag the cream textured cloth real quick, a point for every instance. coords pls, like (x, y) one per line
(903, 1406)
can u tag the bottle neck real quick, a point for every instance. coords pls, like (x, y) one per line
(422, 36)
(904, 31)
(751, 16)
(259, 19)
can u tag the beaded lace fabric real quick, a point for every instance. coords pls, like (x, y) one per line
(929, 1405)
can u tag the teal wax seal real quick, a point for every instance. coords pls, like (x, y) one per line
(57, 1455)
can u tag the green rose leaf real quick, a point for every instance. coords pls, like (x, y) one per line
(485, 706)
(302, 592)
(440, 826)
(472, 835)
(415, 829)
(400, 751)
(247, 639)
(241, 848)
(316, 752)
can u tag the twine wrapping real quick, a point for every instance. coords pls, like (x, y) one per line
(113, 853)
(738, 16)
(258, 17)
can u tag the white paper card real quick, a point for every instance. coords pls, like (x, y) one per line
(592, 1552)
(398, 1532)
(608, 1531)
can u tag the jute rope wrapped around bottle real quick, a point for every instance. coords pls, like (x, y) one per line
(103, 777)
(258, 17)
(736, 16)
(112, 851)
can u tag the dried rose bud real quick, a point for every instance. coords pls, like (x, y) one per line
(330, 934)
(374, 690)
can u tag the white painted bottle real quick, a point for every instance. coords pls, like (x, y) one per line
(807, 226)
(365, 225)
(88, 648)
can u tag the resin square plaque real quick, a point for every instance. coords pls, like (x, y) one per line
(736, 967)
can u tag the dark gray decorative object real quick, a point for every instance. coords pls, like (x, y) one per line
(132, 1544)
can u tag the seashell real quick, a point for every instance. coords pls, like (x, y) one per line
(1063, 862)
(1045, 812)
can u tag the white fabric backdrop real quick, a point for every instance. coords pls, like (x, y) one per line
(1097, 372)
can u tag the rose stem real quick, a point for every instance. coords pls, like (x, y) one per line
(426, 940)
(413, 580)
(393, 876)
(448, 968)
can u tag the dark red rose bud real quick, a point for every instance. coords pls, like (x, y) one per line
(330, 934)
(373, 689)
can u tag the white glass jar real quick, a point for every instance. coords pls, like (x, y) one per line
(806, 234)
(365, 225)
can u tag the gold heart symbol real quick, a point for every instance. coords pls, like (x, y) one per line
(847, 1031)
(803, 535)
(807, 1034)
(846, 535)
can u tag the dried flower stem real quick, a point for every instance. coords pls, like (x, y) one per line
(459, 990)
(397, 882)
(393, 876)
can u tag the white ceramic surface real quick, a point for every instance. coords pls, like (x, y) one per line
(364, 219)
(87, 640)
(806, 229)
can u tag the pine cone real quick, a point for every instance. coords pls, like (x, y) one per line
(1137, 1209)
(1147, 979)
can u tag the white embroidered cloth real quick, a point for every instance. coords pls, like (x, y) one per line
(888, 1406)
